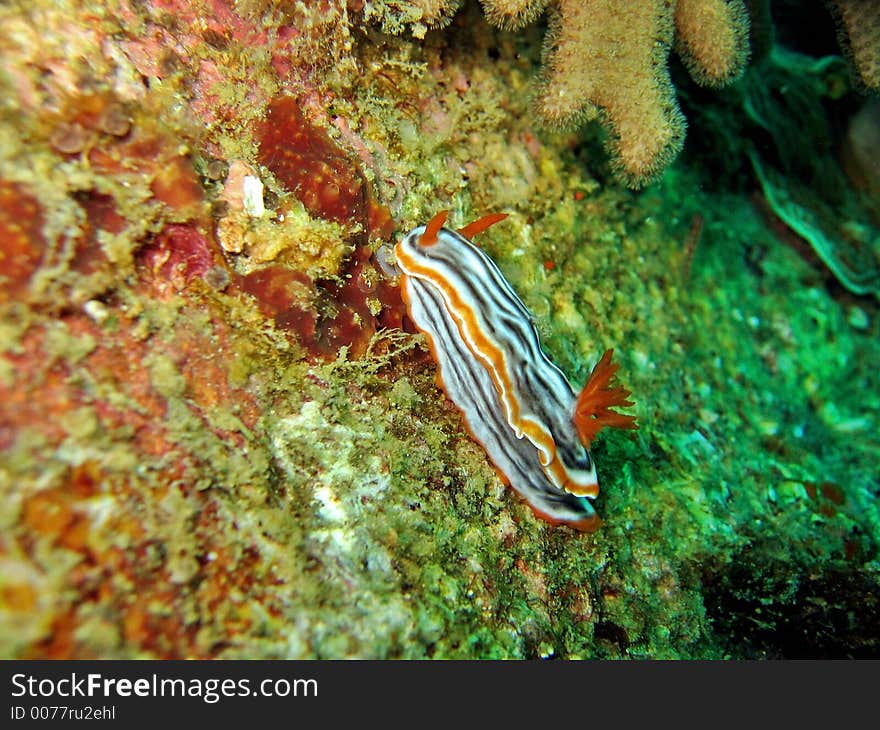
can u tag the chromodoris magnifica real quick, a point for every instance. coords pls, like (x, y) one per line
(520, 407)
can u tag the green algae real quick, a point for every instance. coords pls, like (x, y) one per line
(810, 192)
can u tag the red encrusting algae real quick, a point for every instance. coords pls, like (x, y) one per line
(100, 215)
(309, 164)
(180, 253)
(21, 239)
(328, 314)
(346, 310)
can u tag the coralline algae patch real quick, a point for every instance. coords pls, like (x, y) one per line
(113, 434)
(123, 154)
(97, 177)
(157, 195)
(99, 130)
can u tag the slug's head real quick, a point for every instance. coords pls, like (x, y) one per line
(429, 234)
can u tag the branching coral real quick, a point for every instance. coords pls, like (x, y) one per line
(608, 60)
(859, 25)
(712, 39)
(512, 14)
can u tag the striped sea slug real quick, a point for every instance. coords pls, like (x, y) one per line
(535, 429)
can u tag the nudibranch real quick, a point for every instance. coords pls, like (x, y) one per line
(514, 401)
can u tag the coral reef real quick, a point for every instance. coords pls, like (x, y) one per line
(219, 436)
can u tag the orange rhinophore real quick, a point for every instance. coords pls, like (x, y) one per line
(481, 224)
(429, 237)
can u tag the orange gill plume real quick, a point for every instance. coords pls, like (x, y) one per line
(592, 411)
